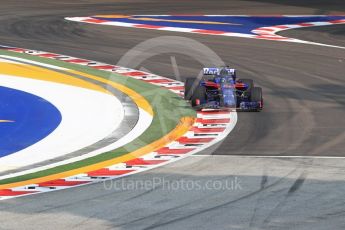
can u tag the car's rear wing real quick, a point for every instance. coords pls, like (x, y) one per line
(219, 71)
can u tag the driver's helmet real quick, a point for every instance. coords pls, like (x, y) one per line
(226, 74)
(233, 75)
(223, 73)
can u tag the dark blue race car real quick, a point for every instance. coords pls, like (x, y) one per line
(220, 89)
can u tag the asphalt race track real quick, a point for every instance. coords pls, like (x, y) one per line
(304, 96)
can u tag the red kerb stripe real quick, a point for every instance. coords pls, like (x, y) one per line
(305, 24)
(158, 80)
(213, 112)
(282, 27)
(19, 50)
(103, 67)
(9, 192)
(167, 150)
(48, 55)
(139, 161)
(148, 26)
(272, 37)
(108, 172)
(213, 121)
(208, 130)
(209, 31)
(337, 21)
(186, 140)
(61, 182)
(78, 61)
(134, 73)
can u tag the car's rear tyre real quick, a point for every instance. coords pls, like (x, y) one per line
(199, 96)
(256, 96)
(248, 82)
(189, 86)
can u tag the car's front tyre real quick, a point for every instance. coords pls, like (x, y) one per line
(199, 96)
(189, 86)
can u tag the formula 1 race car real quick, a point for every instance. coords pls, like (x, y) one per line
(220, 89)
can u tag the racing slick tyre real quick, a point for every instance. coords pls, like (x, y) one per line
(189, 86)
(256, 96)
(248, 82)
(199, 96)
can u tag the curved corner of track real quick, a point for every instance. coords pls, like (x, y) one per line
(161, 136)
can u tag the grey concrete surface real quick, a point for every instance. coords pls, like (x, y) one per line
(200, 192)
(304, 106)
